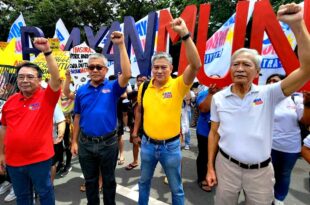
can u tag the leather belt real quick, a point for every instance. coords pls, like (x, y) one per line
(246, 166)
(153, 141)
(99, 138)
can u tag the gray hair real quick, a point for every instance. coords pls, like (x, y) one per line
(97, 56)
(257, 59)
(160, 55)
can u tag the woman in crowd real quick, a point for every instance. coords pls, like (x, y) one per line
(286, 141)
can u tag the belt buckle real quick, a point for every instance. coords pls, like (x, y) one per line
(96, 139)
(158, 141)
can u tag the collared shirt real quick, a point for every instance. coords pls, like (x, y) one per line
(162, 108)
(29, 124)
(246, 124)
(203, 127)
(97, 107)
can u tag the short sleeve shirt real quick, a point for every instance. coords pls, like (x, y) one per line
(162, 108)
(57, 118)
(29, 126)
(203, 127)
(97, 107)
(245, 125)
(286, 130)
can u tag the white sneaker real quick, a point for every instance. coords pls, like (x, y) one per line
(277, 202)
(186, 147)
(126, 129)
(5, 186)
(11, 196)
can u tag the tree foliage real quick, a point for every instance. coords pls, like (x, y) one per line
(78, 13)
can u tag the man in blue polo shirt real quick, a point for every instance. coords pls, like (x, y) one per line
(94, 138)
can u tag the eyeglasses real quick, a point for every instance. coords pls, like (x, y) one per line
(98, 67)
(29, 77)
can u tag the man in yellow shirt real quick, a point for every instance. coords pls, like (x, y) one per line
(161, 105)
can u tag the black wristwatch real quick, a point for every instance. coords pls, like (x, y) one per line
(186, 36)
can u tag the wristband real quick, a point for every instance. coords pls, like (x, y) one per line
(186, 36)
(48, 53)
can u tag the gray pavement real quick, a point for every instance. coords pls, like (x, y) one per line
(67, 188)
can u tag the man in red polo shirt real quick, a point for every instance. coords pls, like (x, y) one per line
(26, 142)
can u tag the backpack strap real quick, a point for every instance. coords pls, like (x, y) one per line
(144, 87)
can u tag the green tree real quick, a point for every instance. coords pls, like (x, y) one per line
(78, 13)
(44, 14)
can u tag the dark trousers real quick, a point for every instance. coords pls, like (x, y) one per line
(283, 164)
(95, 156)
(202, 158)
(37, 175)
(67, 145)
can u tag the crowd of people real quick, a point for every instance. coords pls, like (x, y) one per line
(249, 136)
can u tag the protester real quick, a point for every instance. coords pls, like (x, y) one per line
(27, 127)
(202, 131)
(286, 139)
(185, 121)
(161, 106)
(59, 126)
(67, 103)
(133, 98)
(94, 133)
(242, 121)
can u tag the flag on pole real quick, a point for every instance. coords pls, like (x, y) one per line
(15, 32)
(61, 33)
(219, 47)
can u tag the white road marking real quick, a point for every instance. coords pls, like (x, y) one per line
(133, 194)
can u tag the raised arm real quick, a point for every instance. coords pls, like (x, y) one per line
(205, 105)
(66, 88)
(118, 39)
(192, 55)
(43, 45)
(292, 14)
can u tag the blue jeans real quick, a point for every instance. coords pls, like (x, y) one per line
(187, 137)
(95, 156)
(169, 156)
(283, 164)
(37, 175)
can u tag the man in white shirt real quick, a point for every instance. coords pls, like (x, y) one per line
(242, 121)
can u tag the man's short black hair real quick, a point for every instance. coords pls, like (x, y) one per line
(31, 65)
(275, 75)
(141, 76)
